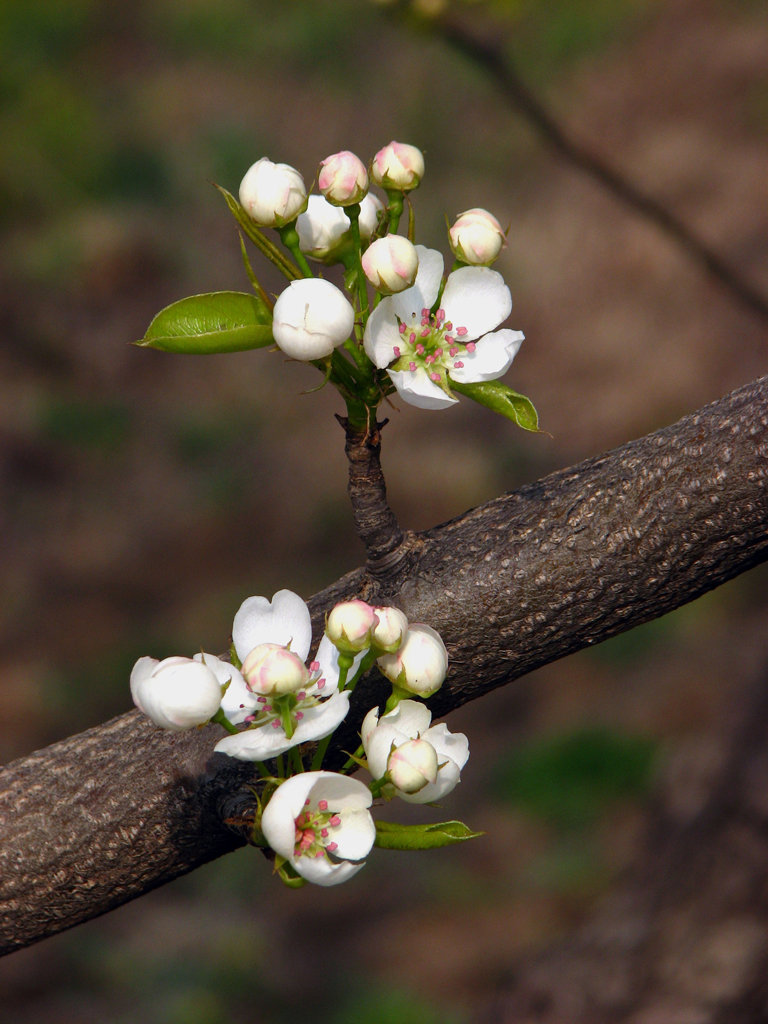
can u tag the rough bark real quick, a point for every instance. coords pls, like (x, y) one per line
(560, 564)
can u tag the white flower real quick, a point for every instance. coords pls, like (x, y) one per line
(409, 721)
(311, 317)
(390, 263)
(424, 351)
(315, 710)
(420, 663)
(176, 693)
(238, 701)
(272, 195)
(343, 179)
(324, 229)
(398, 166)
(349, 626)
(476, 237)
(320, 823)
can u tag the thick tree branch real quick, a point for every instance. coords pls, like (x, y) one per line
(566, 562)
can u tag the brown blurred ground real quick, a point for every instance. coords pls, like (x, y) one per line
(145, 495)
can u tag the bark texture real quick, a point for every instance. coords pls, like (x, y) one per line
(560, 564)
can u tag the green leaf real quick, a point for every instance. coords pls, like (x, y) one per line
(391, 836)
(501, 399)
(213, 322)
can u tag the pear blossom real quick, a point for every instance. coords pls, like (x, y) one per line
(424, 351)
(272, 195)
(390, 263)
(320, 823)
(314, 710)
(176, 693)
(476, 237)
(349, 626)
(420, 664)
(398, 166)
(386, 736)
(324, 229)
(343, 179)
(311, 317)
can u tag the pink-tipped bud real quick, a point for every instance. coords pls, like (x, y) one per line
(343, 179)
(476, 237)
(398, 166)
(390, 264)
(349, 626)
(273, 670)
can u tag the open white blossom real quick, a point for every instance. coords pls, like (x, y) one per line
(320, 823)
(409, 721)
(315, 710)
(424, 351)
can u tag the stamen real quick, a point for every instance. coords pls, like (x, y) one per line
(471, 346)
(426, 331)
(314, 666)
(435, 376)
(458, 364)
(396, 354)
(335, 819)
(402, 328)
(412, 338)
(420, 349)
(322, 805)
(461, 331)
(412, 367)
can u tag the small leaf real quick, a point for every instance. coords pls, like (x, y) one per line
(391, 836)
(209, 323)
(501, 399)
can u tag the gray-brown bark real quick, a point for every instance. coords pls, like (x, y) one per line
(560, 564)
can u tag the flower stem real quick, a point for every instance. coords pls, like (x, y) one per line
(221, 719)
(289, 236)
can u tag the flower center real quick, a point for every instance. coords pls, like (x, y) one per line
(314, 829)
(433, 344)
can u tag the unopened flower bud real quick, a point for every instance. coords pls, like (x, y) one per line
(391, 263)
(343, 179)
(476, 237)
(272, 670)
(398, 166)
(412, 766)
(389, 632)
(349, 626)
(311, 317)
(271, 194)
(176, 693)
(421, 663)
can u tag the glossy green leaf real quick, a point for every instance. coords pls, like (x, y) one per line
(210, 323)
(391, 836)
(498, 397)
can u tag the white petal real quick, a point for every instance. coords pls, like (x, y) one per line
(341, 791)
(238, 702)
(476, 298)
(447, 780)
(278, 822)
(425, 289)
(140, 673)
(283, 620)
(381, 335)
(327, 658)
(410, 717)
(255, 744)
(321, 720)
(320, 871)
(491, 358)
(356, 835)
(454, 745)
(417, 389)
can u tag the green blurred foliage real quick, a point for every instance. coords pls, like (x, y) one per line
(573, 778)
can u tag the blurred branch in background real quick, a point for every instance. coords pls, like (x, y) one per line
(486, 47)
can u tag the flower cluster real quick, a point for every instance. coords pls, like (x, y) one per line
(272, 701)
(396, 322)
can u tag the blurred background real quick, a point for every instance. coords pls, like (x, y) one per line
(145, 495)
